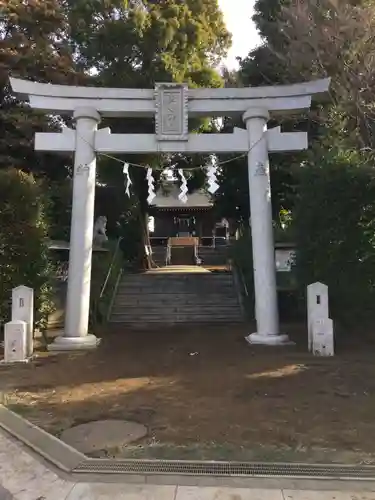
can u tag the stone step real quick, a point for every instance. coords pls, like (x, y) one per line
(213, 252)
(215, 293)
(170, 309)
(139, 312)
(157, 326)
(173, 306)
(179, 283)
(162, 300)
(150, 302)
(208, 257)
(195, 277)
(144, 301)
(177, 287)
(197, 291)
(181, 272)
(123, 318)
(141, 292)
(176, 298)
(168, 295)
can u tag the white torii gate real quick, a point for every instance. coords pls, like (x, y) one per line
(170, 104)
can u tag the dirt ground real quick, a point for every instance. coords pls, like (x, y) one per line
(204, 393)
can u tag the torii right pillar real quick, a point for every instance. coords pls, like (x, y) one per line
(266, 306)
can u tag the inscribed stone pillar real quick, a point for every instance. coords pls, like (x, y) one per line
(75, 334)
(16, 341)
(266, 308)
(317, 307)
(23, 310)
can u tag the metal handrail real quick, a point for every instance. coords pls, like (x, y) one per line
(168, 255)
(109, 310)
(243, 281)
(239, 271)
(110, 268)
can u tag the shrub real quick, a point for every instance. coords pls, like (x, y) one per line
(24, 258)
(288, 296)
(334, 227)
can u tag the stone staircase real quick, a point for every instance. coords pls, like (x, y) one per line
(170, 298)
(159, 255)
(213, 256)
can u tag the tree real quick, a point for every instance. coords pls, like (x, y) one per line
(33, 46)
(264, 66)
(24, 258)
(134, 47)
(328, 38)
(130, 46)
(232, 198)
(114, 44)
(333, 213)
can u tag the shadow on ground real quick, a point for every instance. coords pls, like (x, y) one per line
(205, 393)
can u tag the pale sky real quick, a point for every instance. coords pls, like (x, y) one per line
(237, 14)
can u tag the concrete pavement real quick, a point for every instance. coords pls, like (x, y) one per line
(23, 476)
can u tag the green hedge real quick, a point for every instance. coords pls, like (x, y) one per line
(290, 306)
(334, 228)
(24, 257)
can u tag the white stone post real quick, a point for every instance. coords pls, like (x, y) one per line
(266, 307)
(322, 337)
(75, 334)
(317, 307)
(16, 341)
(23, 310)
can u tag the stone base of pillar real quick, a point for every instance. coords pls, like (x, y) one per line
(258, 339)
(74, 343)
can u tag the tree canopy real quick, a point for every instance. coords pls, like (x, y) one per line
(33, 47)
(134, 47)
(110, 43)
(262, 66)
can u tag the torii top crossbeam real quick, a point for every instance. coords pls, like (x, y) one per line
(114, 102)
(171, 104)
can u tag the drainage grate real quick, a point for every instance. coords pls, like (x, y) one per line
(109, 466)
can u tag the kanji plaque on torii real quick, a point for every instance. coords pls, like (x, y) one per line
(171, 117)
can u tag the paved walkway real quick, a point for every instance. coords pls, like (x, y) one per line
(23, 477)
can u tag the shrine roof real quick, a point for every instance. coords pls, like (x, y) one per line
(168, 199)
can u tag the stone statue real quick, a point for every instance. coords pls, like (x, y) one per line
(100, 227)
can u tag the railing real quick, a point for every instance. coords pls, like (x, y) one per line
(102, 304)
(206, 241)
(243, 283)
(168, 255)
(244, 295)
(115, 253)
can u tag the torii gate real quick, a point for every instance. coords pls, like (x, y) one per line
(170, 104)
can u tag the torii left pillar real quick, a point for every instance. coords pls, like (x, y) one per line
(76, 334)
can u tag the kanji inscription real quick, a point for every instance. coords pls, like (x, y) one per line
(171, 112)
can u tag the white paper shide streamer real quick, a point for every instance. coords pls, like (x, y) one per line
(128, 181)
(183, 188)
(151, 186)
(213, 186)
